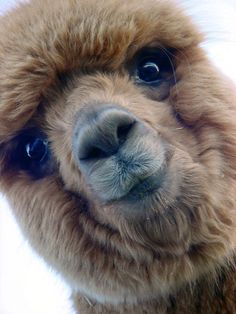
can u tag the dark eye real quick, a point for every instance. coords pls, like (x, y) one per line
(153, 67)
(32, 153)
(37, 149)
(148, 71)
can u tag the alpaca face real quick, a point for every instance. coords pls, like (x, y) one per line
(117, 145)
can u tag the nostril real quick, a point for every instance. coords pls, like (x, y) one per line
(123, 131)
(94, 153)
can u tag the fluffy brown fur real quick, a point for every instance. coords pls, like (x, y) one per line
(172, 252)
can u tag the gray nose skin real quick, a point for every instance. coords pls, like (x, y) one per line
(100, 133)
(111, 150)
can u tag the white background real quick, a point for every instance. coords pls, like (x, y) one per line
(27, 285)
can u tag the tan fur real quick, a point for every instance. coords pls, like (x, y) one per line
(175, 258)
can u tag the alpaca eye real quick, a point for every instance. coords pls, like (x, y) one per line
(148, 71)
(153, 66)
(32, 154)
(37, 149)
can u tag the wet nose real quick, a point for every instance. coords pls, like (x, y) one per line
(100, 133)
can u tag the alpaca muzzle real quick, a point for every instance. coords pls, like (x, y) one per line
(112, 149)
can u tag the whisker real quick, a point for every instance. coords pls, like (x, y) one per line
(168, 53)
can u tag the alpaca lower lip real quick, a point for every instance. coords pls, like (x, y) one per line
(145, 188)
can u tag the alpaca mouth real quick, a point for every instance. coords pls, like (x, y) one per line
(145, 188)
(128, 179)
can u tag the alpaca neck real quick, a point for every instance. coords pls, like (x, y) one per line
(202, 298)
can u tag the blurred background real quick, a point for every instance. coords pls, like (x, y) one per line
(27, 284)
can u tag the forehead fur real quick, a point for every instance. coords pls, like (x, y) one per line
(40, 42)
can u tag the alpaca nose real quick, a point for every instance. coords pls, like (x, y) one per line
(100, 133)
(114, 152)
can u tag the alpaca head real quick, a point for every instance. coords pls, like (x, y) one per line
(117, 145)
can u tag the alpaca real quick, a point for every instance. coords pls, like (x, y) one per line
(117, 154)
